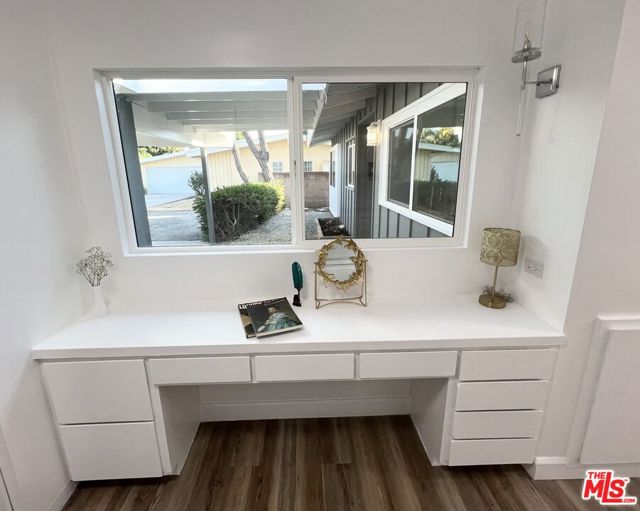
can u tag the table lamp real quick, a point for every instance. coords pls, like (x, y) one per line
(499, 248)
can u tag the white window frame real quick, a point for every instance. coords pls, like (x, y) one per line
(304, 165)
(280, 164)
(435, 98)
(295, 79)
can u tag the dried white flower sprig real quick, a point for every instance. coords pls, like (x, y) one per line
(94, 266)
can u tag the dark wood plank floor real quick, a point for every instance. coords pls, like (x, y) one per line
(364, 464)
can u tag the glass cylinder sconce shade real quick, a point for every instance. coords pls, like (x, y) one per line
(372, 134)
(527, 38)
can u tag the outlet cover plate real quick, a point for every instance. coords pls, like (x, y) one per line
(535, 268)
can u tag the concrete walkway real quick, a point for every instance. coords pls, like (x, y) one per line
(174, 223)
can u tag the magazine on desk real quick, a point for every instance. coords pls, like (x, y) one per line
(268, 317)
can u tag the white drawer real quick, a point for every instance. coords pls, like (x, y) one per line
(507, 365)
(98, 391)
(502, 395)
(111, 451)
(304, 367)
(434, 364)
(492, 452)
(176, 371)
(509, 424)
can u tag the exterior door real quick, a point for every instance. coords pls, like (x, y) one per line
(334, 180)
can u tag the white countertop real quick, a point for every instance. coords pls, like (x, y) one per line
(211, 328)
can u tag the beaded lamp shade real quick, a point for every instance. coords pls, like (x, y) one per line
(500, 246)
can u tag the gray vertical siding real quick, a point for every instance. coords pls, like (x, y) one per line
(389, 224)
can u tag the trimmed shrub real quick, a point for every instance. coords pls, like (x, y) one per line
(236, 209)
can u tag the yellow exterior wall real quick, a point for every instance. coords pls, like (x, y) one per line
(319, 155)
(222, 168)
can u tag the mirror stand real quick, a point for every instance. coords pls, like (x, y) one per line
(357, 300)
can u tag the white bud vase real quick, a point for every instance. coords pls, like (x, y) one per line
(99, 305)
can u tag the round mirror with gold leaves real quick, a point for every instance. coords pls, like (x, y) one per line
(341, 265)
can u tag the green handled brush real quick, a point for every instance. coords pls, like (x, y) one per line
(296, 272)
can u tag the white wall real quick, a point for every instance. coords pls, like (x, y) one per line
(204, 34)
(560, 144)
(83, 36)
(41, 238)
(606, 279)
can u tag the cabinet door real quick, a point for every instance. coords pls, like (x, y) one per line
(425, 364)
(502, 395)
(492, 452)
(111, 451)
(507, 365)
(176, 371)
(501, 424)
(98, 391)
(334, 366)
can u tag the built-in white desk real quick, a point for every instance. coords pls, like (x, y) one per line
(124, 388)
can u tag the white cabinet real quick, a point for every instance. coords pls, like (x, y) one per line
(425, 364)
(122, 419)
(177, 371)
(111, 451)
(98, 391)
(334, 366)
(499, 406)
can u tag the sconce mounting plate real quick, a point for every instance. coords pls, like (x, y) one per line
(548, 82)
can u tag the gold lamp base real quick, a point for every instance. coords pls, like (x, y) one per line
(495, 302)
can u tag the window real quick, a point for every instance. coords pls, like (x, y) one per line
(421, 156)
(400, 156)
(197, 156)
(208, 162)
(351, 164)
(332, 166)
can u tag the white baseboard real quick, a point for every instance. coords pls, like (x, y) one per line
(304, 408)
(557, 467)
(63, 496)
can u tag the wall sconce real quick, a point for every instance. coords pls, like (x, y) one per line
(527, 46)
(373, 134)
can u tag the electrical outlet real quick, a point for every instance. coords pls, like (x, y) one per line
(535, 268)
